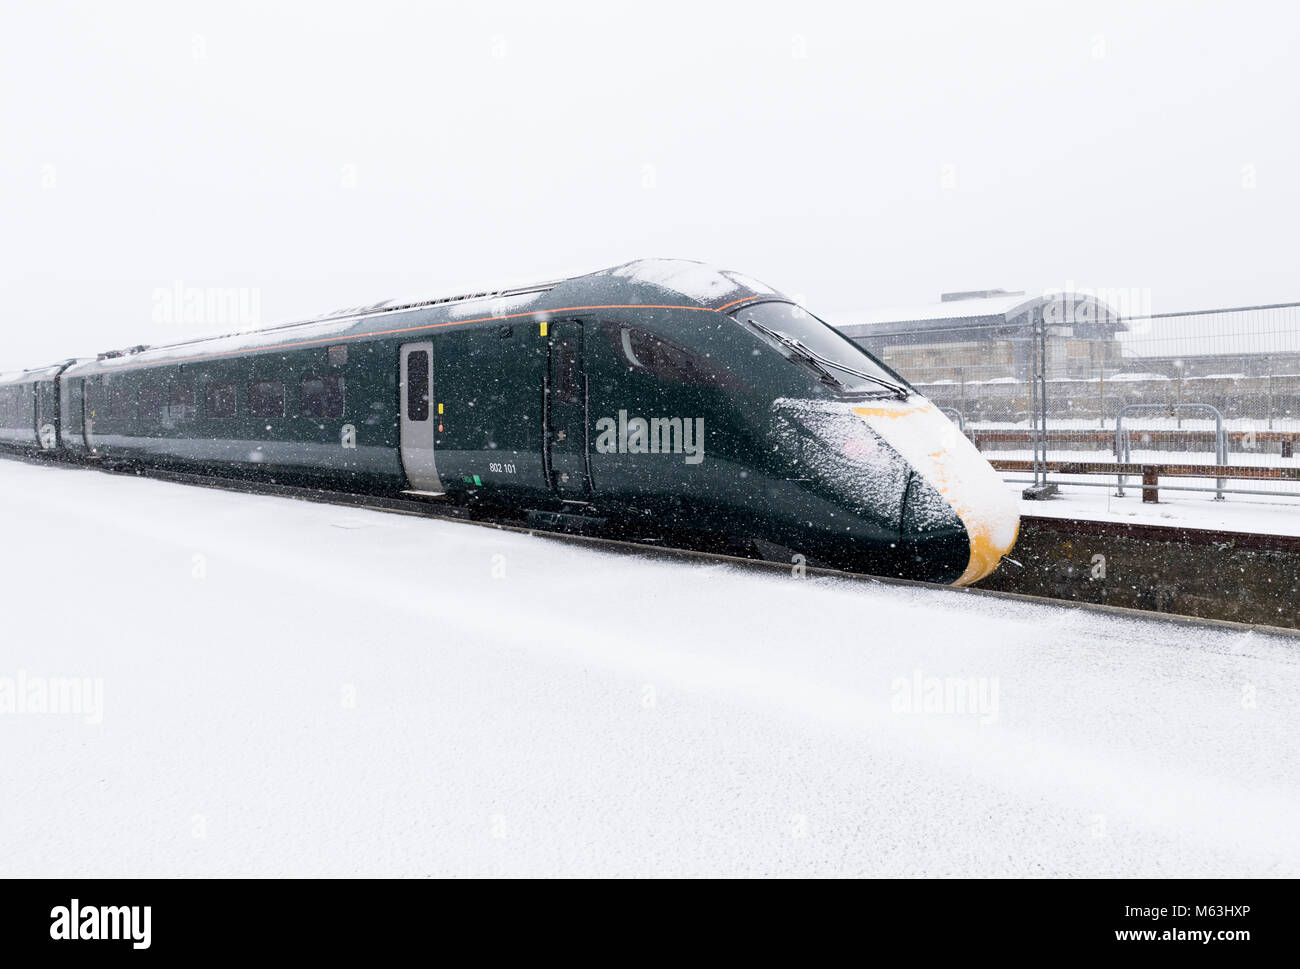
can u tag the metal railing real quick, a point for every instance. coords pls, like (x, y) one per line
(1051, 386)
(1123, 451)
(1152, 473)
(955, 414)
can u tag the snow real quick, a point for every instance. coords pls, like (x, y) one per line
(864, 474)
(1005, 305)
(1147, 421)
(1123, 377)
(340, 322)
(1256, 514)
(932, 445)
(1138, 454)
(301, 688)
(492, 306)
(252, 339)
(749, 282)
(26, 376)
(695, 280)
(469, 288)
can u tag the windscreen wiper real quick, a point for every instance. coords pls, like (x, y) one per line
(821, 363)
(889, 385)
(803, 352)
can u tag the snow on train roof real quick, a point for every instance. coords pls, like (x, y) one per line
(693, 280)
(466, 302)
(207, 346)
(37, 373)
(465, 291)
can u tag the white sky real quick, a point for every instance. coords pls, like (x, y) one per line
(330, 154)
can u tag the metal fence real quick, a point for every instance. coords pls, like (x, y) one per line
(1211, 387)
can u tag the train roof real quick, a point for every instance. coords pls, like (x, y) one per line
(679, 283)
(35, 374)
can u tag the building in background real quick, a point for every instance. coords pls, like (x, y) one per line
(972, 352)
(986, 336)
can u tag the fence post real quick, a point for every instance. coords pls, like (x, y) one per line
(1150, 483)
(1038, 409)
(1221, 441)
(1120, 457)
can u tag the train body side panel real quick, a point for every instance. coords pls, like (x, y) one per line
(487, 398)
(18, 414)
(72, 435)
(313, 413)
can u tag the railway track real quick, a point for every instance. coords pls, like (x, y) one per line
(684, 547)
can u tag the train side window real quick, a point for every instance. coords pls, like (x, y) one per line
(566, 371)
(650, 353)
(417, 385)
(183, 401)
(321, 396)
(219, 400)
(94, 397)
(121, 402)
(153, 399)
(266, 398)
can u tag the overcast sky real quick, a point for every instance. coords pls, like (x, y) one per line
(317, 155)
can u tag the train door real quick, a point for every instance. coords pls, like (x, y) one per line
(567, 426)
(415, 397)
(72, 431)
(47, 415)
(88, 414)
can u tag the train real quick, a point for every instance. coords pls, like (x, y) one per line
(658, 394)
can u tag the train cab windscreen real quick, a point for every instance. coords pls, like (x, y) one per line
(838, 360)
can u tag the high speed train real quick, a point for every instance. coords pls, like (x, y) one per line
(661, 393)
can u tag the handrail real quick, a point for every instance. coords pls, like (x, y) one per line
(1152, 473)
(1241, 471)
(1123, 452)
(961, 421)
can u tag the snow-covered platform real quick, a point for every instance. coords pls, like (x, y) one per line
(291, 687)
(1256, 514)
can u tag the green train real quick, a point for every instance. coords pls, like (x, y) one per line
(662, 393)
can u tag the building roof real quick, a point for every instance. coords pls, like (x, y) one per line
(1006, 306)
(977, 310)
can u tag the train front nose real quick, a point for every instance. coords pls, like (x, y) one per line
(957, 508)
